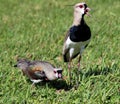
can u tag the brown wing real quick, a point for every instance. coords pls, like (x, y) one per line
(37, 68)
(36, 72)
(67, 34)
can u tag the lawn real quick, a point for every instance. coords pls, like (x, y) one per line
(35, 29)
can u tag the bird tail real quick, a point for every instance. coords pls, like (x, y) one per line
(22, 64)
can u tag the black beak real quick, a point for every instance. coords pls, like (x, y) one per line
(85, 6)
(59, 71)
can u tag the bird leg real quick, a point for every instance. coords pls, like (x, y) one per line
(79, 63)
(78, 71)
(33, 85)
(69, 69)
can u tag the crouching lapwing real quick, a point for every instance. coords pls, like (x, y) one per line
(77, 38)
(38, 71)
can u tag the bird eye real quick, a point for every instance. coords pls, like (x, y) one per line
(55, 72)
(80, 6)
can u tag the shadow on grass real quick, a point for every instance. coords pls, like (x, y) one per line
(57, 84)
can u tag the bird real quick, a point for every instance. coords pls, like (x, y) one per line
(38, 71)
(77, 38)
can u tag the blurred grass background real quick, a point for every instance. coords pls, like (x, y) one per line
(36, 29)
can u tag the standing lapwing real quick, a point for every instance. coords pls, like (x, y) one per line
(39, 71)
(77, 38)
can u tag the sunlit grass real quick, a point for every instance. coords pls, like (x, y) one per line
(36, 30)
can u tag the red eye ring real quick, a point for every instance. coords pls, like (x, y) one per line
(80, 6)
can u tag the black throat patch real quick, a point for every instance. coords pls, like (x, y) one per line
(80, 33)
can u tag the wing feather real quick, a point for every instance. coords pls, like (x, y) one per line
(36, 72)
(65, 49)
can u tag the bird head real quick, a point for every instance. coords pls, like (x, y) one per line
(22, 64)
(81, 8)
(58, 72)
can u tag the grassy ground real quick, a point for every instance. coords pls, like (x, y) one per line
(35, 29)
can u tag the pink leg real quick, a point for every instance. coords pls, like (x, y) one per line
(77, 82)
(79, 63)
(69, 69)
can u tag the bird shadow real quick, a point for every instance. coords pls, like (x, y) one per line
(57, 84)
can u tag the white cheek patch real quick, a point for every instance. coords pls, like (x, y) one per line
(82, 11)
(56, 75)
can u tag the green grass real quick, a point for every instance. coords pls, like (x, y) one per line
(35, 29)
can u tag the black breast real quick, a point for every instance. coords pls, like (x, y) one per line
(80, 33)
